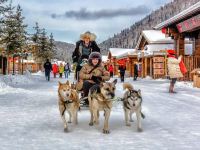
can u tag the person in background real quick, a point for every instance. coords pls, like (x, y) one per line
(55, 70)
(61, 70)
(174, 71)
(111, 69)
(48, 68)
(84, 47)
(122, 69)
(67, 70)
(135, 71)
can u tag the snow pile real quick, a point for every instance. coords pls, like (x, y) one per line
(2, 85)
(184, 84)
(18, 80)
(14, 80)
(39, 73)
(148, 78)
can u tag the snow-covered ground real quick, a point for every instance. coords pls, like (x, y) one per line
(30, 118)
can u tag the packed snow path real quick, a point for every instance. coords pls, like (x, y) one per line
(30, 119)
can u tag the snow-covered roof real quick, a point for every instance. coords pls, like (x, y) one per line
(27, 61)
(158, 47)
(151, 48)
(132, 52)
(119, 51)
(187, 12)
(104, 58)
(154, 36)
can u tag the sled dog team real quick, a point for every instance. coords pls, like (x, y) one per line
(100, 99)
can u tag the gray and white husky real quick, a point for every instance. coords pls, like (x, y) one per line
(132, 102)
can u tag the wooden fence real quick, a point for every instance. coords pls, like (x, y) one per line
(191, 63)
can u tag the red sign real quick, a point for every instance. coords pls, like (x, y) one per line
(158, 59)
(189, 24)
(158, 71)
(121, 61)
(158, 65)
(164, 30)
(11, 59)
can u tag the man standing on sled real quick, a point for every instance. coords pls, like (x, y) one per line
(84, 47)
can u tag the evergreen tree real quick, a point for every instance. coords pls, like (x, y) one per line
(13, 32)
(37, 34)
(2, 7)
(45, 47)
(52, 46)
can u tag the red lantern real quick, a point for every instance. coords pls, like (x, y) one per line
(164, 30)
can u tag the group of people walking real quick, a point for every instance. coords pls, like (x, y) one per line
(61, 69)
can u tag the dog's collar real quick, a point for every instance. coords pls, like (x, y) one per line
(65, 102)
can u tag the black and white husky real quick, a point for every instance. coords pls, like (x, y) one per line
(132, 102)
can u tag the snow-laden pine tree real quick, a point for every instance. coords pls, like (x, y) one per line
(14, 32)
(45, 47)
(52, 46)
(3, 8)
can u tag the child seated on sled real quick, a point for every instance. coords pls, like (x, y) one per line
(92, 73)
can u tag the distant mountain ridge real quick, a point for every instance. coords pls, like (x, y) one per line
(64, 51)
(128, 37)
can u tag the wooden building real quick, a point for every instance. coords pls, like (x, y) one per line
(3, 61)
(186, 24)
(128, 59)
(151, 48)
(127, 56)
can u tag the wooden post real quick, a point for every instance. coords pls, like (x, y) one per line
(197, 45)
(145, 67)
(151, 67)
(180, 45)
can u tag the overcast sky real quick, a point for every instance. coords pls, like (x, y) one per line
(67, 19)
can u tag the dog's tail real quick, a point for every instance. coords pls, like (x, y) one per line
(127, 86)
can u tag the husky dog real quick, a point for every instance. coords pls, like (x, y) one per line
(100, 98)
(132, 101)
(68, 101)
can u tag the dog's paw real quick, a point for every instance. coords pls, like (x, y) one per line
(91, 123)
(106, 131)
(139, 130)
(128, 124)
(66, 130)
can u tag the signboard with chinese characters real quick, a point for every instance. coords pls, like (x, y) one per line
(159, 71)
(158, 65)
(189, 24)
(158, 59)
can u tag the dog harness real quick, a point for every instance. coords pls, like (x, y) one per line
(104, 101)
(65, 103)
